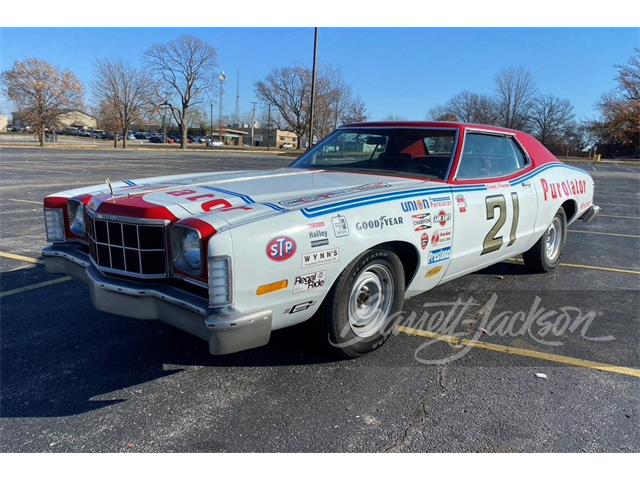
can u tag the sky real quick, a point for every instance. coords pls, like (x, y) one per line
(402, 72)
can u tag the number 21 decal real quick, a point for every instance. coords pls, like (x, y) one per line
(492, 241)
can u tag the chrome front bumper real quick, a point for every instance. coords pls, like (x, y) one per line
(591, 212)
(226, 330)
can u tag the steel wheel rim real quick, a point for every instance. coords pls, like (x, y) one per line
(370, 300)
(553, 239)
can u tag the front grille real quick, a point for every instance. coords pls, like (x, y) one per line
(128, 248)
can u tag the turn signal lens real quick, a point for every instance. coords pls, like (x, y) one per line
(272, 287)
(54, 223)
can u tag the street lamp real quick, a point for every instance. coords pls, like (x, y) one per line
(222, 78)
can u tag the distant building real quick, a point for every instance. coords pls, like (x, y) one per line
(4, 121)
(229, 136)
(67, 118)
(76, 119)
(263, 137)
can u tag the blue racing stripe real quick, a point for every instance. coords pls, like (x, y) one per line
(246, 198)
(360, 202)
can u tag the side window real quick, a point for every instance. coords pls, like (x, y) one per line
(489, 156)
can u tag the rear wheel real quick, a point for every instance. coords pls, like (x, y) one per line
(545, 255)
(360, 308)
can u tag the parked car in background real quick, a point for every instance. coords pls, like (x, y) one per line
(287, 146)
(217, 143)
(131, 136)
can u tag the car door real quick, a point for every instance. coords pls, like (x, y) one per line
(494, 218)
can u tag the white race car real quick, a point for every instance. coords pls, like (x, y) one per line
(373, 214)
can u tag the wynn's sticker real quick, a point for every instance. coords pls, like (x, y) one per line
(321, 257)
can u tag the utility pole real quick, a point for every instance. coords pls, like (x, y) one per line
(237, 112)
(222, 78)
(269, 129)
(253, 121)
(211, 123)
(313, 84)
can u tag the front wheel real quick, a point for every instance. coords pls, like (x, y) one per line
(361, 306)
(545, 255)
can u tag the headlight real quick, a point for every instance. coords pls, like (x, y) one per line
(76, 218)
(187, 251)
(191, 250)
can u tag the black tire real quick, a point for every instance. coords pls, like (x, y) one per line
(537, 258)
(339, 331)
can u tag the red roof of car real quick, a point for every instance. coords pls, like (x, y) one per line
(429, 125)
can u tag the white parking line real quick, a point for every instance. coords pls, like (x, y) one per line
(618, 216)
(24, 201)
(605, 233)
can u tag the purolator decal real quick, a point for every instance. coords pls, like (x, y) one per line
(565, 188)
(282, 248)
(440, 202)
(379, 223)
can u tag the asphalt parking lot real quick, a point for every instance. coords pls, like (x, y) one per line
(76, 380)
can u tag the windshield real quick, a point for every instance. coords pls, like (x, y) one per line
(418, 152)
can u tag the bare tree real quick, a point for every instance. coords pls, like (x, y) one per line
(288, 90)
(514, 89)
(186, 67)
(471, 107)
(108, 120)
(41, 92)
(355, 112)
(440, 113)
(127, 92)
(550, 118)
(467, 107)
(620, 108)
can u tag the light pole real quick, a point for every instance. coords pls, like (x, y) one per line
(313, 84)
(222, 78)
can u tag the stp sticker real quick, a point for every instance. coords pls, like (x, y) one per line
(280, 249)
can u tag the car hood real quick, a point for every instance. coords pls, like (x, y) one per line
(261, 191)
